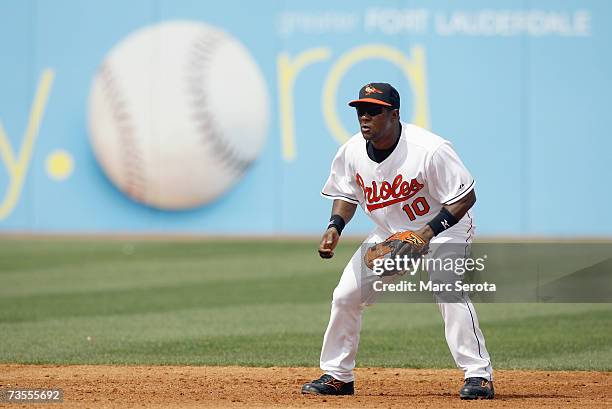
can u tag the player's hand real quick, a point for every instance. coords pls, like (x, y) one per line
(329, 241)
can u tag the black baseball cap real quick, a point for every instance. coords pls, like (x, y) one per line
(379, 93)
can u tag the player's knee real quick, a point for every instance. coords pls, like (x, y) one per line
(347, 297)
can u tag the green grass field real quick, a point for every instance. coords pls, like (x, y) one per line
(246, 302)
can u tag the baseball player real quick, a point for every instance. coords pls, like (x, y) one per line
(405, 178)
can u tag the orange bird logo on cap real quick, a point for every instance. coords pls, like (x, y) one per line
(369, 89)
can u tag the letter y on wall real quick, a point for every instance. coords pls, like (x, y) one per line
(17, 165)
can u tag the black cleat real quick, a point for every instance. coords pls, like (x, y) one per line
(477, 388)
(328, 385)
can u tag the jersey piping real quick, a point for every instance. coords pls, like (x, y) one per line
(346, 198)
(461, 195)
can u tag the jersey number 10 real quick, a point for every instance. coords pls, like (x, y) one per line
(419, 207)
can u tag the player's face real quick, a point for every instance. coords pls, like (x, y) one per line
(375, 121)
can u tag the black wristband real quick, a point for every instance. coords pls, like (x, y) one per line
(337, 222)
(444, 220)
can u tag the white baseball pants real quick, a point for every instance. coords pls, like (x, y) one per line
(354, 291)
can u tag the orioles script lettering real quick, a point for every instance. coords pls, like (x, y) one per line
(388, 193)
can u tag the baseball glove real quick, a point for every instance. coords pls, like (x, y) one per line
(403, 244)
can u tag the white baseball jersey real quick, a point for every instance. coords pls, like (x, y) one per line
(409, 187)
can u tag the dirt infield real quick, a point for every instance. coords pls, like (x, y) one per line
(173, 387)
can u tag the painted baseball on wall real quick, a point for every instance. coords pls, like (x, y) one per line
(177, 112)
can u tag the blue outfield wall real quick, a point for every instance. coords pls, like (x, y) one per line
(521, 88)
